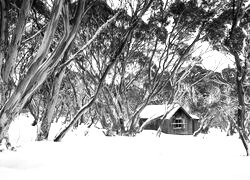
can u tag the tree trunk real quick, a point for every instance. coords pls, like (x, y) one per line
(241, 107)
(16, 40)
(15, 103)
(3, 31)
(230, 128)
(45, 124)
(241, 71)
(4, 127)
(241, 113)
(113, 60)
(42, 67)
(6, 113)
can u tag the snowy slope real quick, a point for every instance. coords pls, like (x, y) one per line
(173, 157)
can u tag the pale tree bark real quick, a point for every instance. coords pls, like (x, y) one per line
(11, 54)
(112, 61)
(45, 123)
(13, 106)
(49, 64)
(42, 66)
(3, 31)
(34, 109)
(16, 39)
(92, 100)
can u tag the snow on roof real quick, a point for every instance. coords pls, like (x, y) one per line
(172, 110)
(154, 111)
(194, 116)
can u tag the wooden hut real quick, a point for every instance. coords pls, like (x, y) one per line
(174, 119)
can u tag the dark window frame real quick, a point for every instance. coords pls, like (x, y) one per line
(178, 123)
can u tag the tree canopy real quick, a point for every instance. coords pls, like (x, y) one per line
(104, 61)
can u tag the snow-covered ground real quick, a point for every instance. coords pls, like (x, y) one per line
(213, 156)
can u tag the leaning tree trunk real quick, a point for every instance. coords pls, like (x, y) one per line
(41, 68)
(89, 104)
(45, 124)
(13, 105)
(6, 113)
(113, 60)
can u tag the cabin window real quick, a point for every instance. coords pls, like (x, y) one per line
(178, 123)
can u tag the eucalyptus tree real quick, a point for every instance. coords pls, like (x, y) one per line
(177, 26)
(44, 59)
(151, 56)
(229, 32)
(155, 52)
(98, 9)
(140, 10)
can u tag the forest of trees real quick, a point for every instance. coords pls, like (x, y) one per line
(104, 60)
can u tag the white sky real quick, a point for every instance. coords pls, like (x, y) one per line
(217, 61)
(212, 59)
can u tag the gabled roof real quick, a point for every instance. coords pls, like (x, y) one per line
(194, 116)
(154, 111)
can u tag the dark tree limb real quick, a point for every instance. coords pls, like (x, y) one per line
(113, 60)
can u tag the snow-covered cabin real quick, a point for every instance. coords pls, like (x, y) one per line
(176, 120)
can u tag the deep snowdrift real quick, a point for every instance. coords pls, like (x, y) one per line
(173, 157)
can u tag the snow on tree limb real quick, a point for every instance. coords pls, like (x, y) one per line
(98, 32)
(105, 73)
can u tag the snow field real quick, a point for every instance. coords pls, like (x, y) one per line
(213, 156)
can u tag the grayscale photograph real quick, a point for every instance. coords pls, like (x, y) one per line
(124, 89)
